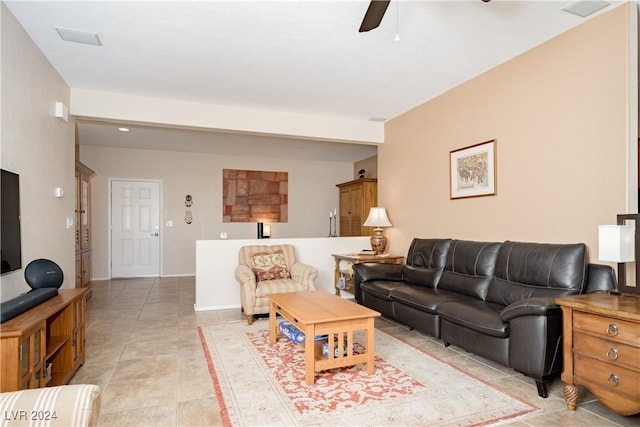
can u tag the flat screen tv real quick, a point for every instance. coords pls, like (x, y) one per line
(10, 245)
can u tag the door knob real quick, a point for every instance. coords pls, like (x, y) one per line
(154, 234)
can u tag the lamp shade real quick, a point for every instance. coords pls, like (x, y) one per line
(377, 218)
(616, 243)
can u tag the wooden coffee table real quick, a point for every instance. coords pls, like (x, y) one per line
(319, 313)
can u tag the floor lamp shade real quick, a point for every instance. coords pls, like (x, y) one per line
(616, 243)
(378, 218)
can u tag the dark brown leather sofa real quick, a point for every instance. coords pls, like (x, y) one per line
(493, 299)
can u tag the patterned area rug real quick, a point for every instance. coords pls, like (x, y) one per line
(258, 384)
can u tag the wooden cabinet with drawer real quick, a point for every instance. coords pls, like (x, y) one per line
(601, 347)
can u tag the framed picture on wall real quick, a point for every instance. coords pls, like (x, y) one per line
(472, 171)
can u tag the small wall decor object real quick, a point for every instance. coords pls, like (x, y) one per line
(188, 216)
(472, 171)
(188, 200)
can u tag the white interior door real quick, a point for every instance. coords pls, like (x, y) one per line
(135, 228)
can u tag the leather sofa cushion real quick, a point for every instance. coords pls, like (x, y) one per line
(470, 266)
(525, 270)
(601, 279)
(428, 253)
(427, 277)
(480, 316)
(381, 288)
(424, 299)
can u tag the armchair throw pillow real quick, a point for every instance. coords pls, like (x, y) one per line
(269, 266)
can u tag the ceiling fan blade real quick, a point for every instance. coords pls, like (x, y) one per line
(374, 14)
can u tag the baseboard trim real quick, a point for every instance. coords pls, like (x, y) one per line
(214, 307)
(97, 279)
(178, 275)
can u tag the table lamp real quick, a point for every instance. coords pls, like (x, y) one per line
(378, 218)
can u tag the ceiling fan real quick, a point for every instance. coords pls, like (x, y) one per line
(375, 13)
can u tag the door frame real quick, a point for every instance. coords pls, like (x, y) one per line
(160, 222)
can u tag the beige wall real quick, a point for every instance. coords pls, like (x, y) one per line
(559, 115)
(312, 195)
(40, 148)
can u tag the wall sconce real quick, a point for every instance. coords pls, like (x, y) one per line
(620, 243)
(378, 218)
(62, 112)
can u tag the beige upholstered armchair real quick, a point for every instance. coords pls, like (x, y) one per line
(75, 405)
(265, 270)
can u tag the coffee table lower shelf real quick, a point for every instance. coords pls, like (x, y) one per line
(340, 330)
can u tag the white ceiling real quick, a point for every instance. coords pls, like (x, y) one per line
(291, 56)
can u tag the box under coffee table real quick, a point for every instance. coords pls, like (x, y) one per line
(319, 313)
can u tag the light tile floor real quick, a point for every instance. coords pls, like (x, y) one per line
(143, 350)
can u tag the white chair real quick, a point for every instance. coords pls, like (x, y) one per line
(265, 270)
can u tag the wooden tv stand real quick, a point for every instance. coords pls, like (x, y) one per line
(44, 346)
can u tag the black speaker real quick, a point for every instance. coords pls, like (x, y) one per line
(43, 273)
(18, 305)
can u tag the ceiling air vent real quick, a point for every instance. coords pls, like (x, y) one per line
(585, 8)
(79, 36)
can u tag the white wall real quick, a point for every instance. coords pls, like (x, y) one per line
(312, 194)
(40, 148)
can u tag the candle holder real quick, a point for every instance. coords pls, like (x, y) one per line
(332, 226)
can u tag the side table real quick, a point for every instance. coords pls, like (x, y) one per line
(601, 348)
(356, 258)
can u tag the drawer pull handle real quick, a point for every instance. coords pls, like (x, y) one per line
(612, 330)
(614, 380)
(612, 353)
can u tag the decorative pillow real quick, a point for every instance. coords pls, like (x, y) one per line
(269, 266)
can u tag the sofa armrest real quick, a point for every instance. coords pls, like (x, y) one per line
(376, 271)
(540, 306)
(601, 278)
(305, 274)
(245, 276)
(67, 405)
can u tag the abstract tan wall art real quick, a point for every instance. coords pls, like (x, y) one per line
(254, 196)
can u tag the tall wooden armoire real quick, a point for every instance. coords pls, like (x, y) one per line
(356, 198)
